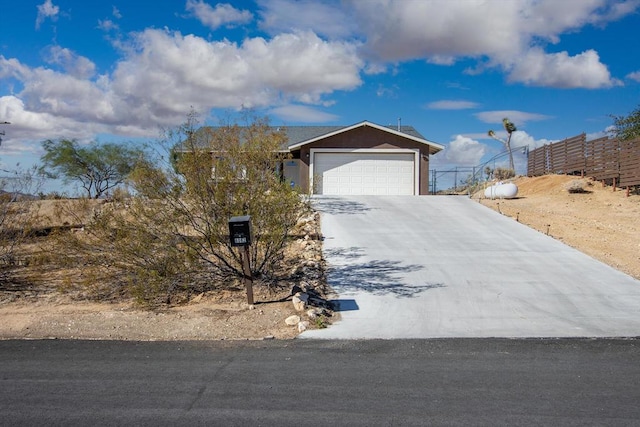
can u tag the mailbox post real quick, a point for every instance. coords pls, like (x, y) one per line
(240, 236)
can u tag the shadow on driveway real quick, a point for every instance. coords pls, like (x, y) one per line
(338, 206)
(377, 277)
(344, 304)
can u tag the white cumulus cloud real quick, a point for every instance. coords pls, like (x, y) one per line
(560, 70)
(74, 64)
(464, 151)
(166, 73)
(28, 127)
(505, 34)
(634, 76)
(171, 71)
(312, 50)
(522, 139)
(223, 14)
(519, 118)
(323, 18)
(448, 104)
(301, 113)
(46, 10)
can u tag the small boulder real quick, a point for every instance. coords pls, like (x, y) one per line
(300, 300)
(302, 326)
(314, 313)
(292, 320)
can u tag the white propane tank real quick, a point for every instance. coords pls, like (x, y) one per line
(501, 191)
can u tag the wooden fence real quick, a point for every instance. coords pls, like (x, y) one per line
(603, 159)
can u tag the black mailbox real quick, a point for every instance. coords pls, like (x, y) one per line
(240, 230)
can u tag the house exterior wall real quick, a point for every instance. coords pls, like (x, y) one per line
(424, 172)
(369, 138)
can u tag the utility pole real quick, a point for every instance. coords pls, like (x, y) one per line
(2, 132)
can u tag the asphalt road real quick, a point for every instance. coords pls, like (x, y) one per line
(321, 382)
(446, 266)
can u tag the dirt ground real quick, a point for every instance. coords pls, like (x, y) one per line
(39, 310)
(601, 222)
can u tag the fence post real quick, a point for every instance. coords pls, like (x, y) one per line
(433, 182)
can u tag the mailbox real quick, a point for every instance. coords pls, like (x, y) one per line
(240, 230)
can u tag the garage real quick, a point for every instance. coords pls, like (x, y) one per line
(365, 172)
(361, 159)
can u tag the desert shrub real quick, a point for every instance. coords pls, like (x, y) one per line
(503, 173)
(172, 236)
(578, 187)
(18, 215)
(119, 194)
(53, 195)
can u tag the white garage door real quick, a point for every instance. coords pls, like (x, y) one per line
(364, 173)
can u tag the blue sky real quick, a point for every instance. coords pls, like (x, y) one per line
(120, 70)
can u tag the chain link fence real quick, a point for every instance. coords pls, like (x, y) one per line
(460, 179)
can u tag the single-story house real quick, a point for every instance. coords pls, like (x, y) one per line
(361, 159)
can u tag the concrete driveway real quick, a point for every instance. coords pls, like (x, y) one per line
(446, 266)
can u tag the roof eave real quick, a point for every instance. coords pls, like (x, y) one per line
(433, 147)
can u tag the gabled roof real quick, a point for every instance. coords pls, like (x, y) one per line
(299, 136)
(303, 135)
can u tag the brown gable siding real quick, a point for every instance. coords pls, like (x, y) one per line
(366, 137)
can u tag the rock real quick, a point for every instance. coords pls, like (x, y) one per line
(296, 289)
(310, 273)
(302, 326)
(314, 313)
(292, 320)
(300, 301)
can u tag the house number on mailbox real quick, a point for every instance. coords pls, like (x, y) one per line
(240, 235)
(240, 230)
